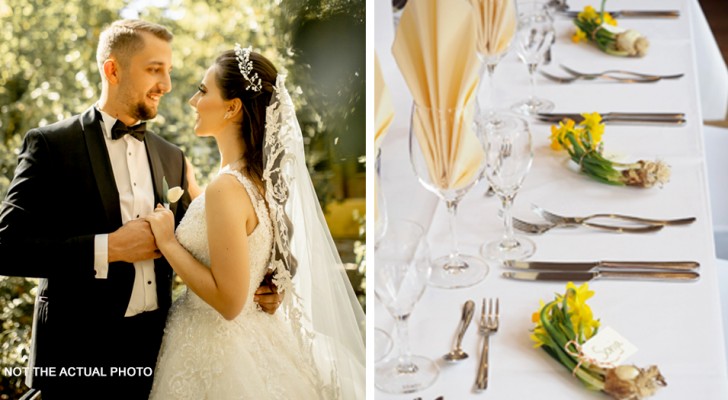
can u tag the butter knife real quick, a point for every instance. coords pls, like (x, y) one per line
(633, 13)
(594, 266)
(582, 276)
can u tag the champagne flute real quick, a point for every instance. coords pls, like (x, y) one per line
(508, 158)
(496, 24)
(446, 164)
(534, 37)
(403, 268)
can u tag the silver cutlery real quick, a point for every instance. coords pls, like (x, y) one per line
(539, 228)
(633, 13)
(610, 72)
(594, 266)
(582, 276)
(457, 353)
(620, 117)
(488, 325)
(558, 5)
(574, 78)
(560, 219)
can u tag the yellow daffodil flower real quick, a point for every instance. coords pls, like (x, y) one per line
(578, 36)
(583, 142)
(591, 27)
(565, 324)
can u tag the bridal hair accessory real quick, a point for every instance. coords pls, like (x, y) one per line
(170, 195)
(246, 67)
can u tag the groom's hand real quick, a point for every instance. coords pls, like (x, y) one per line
(268, 298)
(133, 242)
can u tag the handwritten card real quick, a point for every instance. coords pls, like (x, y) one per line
(608, 348)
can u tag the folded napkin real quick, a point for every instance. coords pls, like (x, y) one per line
(383, 110)
(435, 49)
(496, 22)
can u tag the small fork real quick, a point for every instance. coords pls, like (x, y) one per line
(618, 71)
(537, 229)
(488, 325)
(560, 219)
(561, 79)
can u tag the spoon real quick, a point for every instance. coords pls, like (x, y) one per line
(457, 353)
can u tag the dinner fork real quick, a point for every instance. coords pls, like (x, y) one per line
(488, 325)
(618, 71)
(560, 219)
(570, 79)
(537, 228)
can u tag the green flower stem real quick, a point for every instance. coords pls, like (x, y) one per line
(592, 163)
(560, 354)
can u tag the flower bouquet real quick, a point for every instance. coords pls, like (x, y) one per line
(564, 325)
(583, 143)
(601, 29)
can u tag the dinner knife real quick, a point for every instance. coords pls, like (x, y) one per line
(633, 13)
(624, 118)
(582, 276)
(602, 265)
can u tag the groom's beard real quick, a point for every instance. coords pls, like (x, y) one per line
(143, 112)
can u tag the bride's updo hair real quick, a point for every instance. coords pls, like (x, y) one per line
(233, 85)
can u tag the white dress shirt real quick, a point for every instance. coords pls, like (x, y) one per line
(136, 196)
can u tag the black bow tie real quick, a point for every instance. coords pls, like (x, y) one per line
(119, 130)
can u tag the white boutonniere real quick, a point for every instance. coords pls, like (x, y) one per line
(170, 195)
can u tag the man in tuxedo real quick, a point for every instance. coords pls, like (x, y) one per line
(74, 217)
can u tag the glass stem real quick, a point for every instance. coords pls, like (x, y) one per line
(491, 85)
(532, 76)
(507, 203)
(455, 262)
(380, 206)
(405, 365)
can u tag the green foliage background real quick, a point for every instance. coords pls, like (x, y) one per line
(48, 72)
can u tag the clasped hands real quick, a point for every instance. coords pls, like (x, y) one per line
(135, 241)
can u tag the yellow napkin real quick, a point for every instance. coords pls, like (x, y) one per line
(383, 111)
(435, 49)
(496, 22)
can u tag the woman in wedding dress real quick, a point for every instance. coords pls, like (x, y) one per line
(259, 216)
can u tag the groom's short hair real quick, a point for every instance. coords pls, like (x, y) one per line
(123, 38)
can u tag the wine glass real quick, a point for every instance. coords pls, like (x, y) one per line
(508, 158)
(380, 205)
(403, 268)
(382, 344)
(534, 37)
(496, 25)
(447, 164)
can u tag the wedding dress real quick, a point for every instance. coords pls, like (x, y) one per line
(256, 355)
(313, 346)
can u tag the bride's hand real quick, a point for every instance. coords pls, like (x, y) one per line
(162, 223)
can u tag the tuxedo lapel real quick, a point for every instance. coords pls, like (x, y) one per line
(101, 166)
(155, 163)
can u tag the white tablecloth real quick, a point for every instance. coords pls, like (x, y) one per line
(675, 326)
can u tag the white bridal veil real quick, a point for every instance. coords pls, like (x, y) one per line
(319, 299)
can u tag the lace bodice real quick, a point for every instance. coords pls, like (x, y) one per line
(192, 235)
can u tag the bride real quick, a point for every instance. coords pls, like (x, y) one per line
(259, 217)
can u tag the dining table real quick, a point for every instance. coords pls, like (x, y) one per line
(674, 325)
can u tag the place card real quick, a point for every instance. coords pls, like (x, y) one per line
(607, 348)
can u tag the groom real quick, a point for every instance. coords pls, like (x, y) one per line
(74, 217)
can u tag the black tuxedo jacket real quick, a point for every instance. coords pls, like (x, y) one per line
(63, 193)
